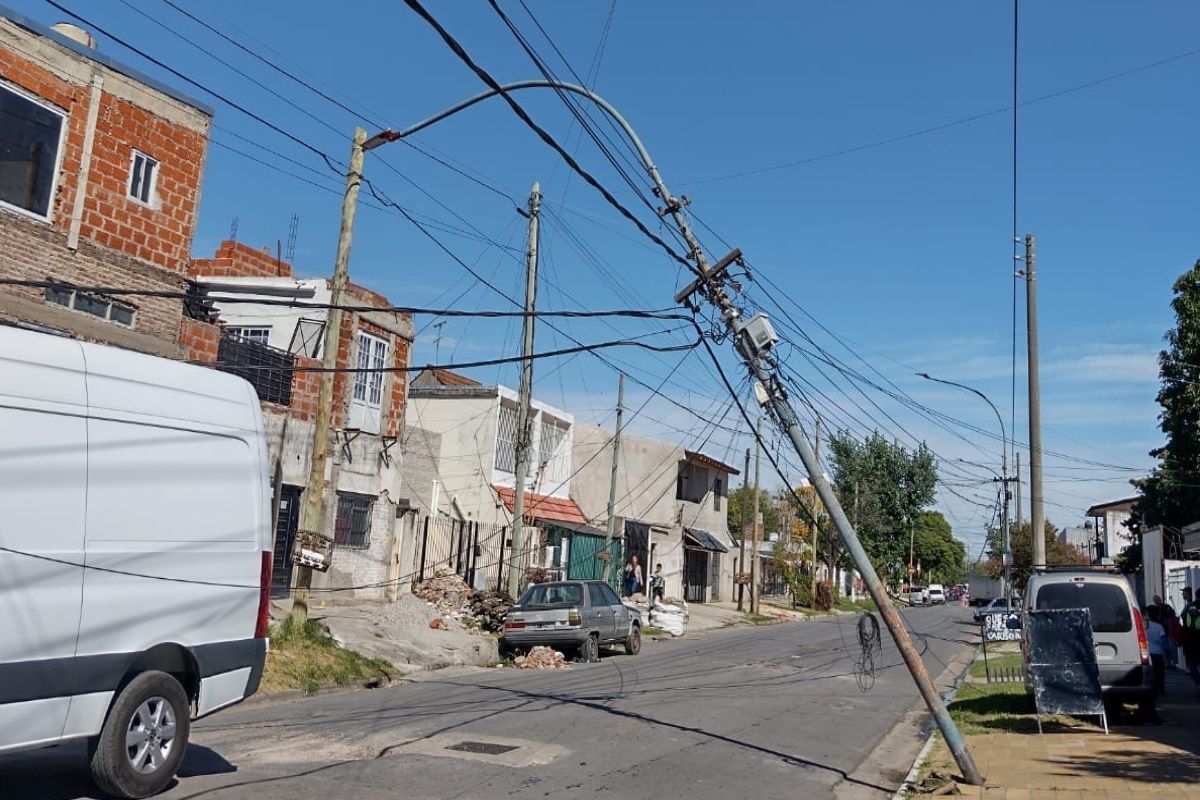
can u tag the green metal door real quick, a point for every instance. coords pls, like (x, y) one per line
(586, 566)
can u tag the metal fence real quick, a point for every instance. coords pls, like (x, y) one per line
(477, 552)
(268, 369)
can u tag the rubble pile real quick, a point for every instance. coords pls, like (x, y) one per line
(445, 590)
(542, 658)
(489, 609)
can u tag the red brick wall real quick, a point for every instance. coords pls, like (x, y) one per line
(305, 387)
(237, 260)
(123, 244)
(394, 410)
(199, 341)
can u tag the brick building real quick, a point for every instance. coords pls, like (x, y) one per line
(100, 172)
(270, 345)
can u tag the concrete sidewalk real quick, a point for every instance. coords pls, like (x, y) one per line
(1133, 760)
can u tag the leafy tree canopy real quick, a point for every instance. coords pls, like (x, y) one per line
(943, 558)
(1057, 553)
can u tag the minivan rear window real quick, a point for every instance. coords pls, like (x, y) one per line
(1108, 604)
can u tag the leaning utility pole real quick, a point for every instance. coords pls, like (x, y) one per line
(612, 487)
(754, 340)
(742, 548)
(1017, 481)
(754, 559)
(516, 552)
(311, 514)
(1037, 508)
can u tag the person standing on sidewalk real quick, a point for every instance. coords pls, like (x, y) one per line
(1157, 636)
(633, 577)
(1170, 622)
(1190, 620)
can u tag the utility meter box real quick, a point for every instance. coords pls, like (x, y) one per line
(760, 334)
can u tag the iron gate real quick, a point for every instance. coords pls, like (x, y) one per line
(695, 575)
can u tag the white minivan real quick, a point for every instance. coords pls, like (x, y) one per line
(134, 552)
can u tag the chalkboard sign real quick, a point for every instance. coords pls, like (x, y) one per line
(1062, 663)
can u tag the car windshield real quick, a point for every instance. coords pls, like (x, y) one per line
(552, 594)
(1106, 602)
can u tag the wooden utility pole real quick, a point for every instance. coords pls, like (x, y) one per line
(1037, 508)
(612, 489)
(742, 549)
(757, 521)
(523, 443)
(311, 515)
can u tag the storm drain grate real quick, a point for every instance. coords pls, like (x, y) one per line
(486, 748)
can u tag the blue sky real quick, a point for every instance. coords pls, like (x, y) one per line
(904, 249)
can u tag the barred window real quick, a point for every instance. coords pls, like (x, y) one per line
(553, 454)
(353, 525)
(506, 439)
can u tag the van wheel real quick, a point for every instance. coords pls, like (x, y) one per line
(143, 739)
(633, 642)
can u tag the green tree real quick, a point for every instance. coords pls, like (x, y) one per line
(883, 488)
(943, 558)
(741, 510)
(1168, 494)
(1057, 553)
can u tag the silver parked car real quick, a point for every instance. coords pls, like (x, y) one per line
(578, 616)
(1118, 632)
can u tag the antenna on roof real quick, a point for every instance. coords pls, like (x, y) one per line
(293, 230)
(233, 226)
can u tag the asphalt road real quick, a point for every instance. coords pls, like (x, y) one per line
(765, 712)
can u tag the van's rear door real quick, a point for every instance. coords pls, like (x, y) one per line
(43, 485)
(1112, 620)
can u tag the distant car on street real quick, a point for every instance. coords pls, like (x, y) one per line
(937, 594)
(579, 616)
(998, 605)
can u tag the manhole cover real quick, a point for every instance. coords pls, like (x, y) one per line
(486, 748)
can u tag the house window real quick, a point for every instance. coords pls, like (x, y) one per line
(92, 304)
(257, 334)
(353, 525)
(717, 494)
(143, 175)
(368, 382)
(30, 137)
(553, 456)
(506, 439)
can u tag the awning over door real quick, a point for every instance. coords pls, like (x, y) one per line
(704, 540)
(543, 507)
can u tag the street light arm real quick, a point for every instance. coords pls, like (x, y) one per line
(974, 391)
(539, 84)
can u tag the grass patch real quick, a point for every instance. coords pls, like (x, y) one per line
(999, 707)
(652, 630)
(995, 662)
(760, 619)
(305, 657)
(845, 604)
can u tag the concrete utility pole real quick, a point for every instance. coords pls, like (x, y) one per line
(757, 520)
(612, 487)
(314, 491)
(742, 549)
(1037, 507)
(516, 552)
(1017, 482)
(812, 578)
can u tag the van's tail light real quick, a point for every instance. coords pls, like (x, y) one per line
(1143, 642)
(264, 596)
(574, 617)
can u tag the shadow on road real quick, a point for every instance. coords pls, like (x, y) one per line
(61, 773)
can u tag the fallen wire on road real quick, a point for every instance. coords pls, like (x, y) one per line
(870, 646)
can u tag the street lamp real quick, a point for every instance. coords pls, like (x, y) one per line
(1004, 479)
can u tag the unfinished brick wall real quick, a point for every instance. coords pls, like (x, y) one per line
(237, 260)
(123, 243)
(199, 341)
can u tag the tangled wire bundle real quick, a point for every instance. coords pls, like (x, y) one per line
(870, 646)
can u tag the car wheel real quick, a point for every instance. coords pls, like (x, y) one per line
(143, 739)
(590, 650)
(633, 642)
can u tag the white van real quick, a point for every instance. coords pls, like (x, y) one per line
(134, 552)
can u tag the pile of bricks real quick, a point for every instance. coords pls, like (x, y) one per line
(542, 658)
(445, 590)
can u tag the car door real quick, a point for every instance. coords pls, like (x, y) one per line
(602, 611)
(621, 615)
(43, 490)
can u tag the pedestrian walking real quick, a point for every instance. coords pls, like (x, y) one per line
(1170, 622)
(1158, 640)
(1189, 620)
(633, 577)
(658, 584)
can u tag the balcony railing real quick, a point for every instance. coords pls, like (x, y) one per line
(268, 369)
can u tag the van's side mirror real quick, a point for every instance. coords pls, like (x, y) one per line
(1013, 623)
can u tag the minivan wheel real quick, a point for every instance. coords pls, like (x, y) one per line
(591, 649)
(633, 642)
(143, 739)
